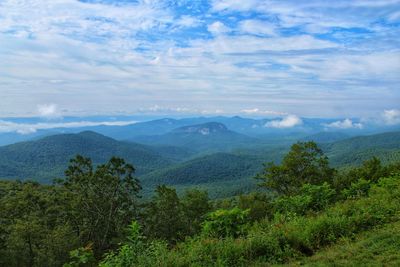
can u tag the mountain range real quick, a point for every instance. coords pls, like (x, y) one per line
(13, 130)
(207, 155)
(206, 137)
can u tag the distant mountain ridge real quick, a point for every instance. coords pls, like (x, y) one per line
(206, 137)
(326, 137)
(258, 128)
(203, 129)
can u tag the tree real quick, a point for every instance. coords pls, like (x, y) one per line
(371, 170)
(305, 163)
(34, 230)
(196, 205)
(259, 205)
(103, 201)
(163, 216)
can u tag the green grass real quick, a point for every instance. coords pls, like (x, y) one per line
(377, 247)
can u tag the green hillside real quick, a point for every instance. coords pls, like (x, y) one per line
(183, 165)
(354, 151)
(47, 158)
(211, 168)
(221, 174)
(231, 173)
(326, 137)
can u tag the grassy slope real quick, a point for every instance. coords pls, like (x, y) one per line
(377, 247)
(289, 238)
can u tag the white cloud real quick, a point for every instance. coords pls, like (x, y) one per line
(287, 122)
(391, 116)
(187, 21)
(237, 5)
(27, 128)
(48, 111)
(161, 109)
(344, 124)
(257, 27)
(257, 111)
(218, 28)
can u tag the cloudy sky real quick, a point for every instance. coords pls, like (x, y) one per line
(254, 57)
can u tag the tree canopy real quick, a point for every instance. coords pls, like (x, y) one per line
(305, 163)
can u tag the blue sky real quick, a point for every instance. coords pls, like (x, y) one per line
(265, 58)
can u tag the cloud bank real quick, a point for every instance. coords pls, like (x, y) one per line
(311, 58)
(344, 124)
(28, 128)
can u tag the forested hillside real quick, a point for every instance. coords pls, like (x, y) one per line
(354, 151)
(47, 158)
(183, 165)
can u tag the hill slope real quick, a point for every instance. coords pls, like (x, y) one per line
(210, 168)
(48, 157)
(218, 169)
(354, 151)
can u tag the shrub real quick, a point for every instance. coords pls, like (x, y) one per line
(128, 253)
(357, 189)
(81, 257)
(226, 223)
(310, 198)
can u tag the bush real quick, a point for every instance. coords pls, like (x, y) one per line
(310, 198)
(81, 257)
(357, 189)
(226, 223)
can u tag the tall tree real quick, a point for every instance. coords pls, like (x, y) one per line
(163, 218)
(305, 163)
(196, 205)
(103, 201)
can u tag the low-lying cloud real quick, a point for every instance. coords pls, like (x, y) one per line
(48, 111)
(391, 116)
(287, 122)
(29, 128)
(344, 124)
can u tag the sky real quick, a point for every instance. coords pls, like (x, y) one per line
(298, 58)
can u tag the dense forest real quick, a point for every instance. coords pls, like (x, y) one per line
(95, 216)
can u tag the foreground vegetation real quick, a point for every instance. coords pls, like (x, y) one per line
(95, 216)
(378, 247)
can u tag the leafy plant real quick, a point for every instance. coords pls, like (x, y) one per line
(357, 189)
(226, 223)
(81, 257)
